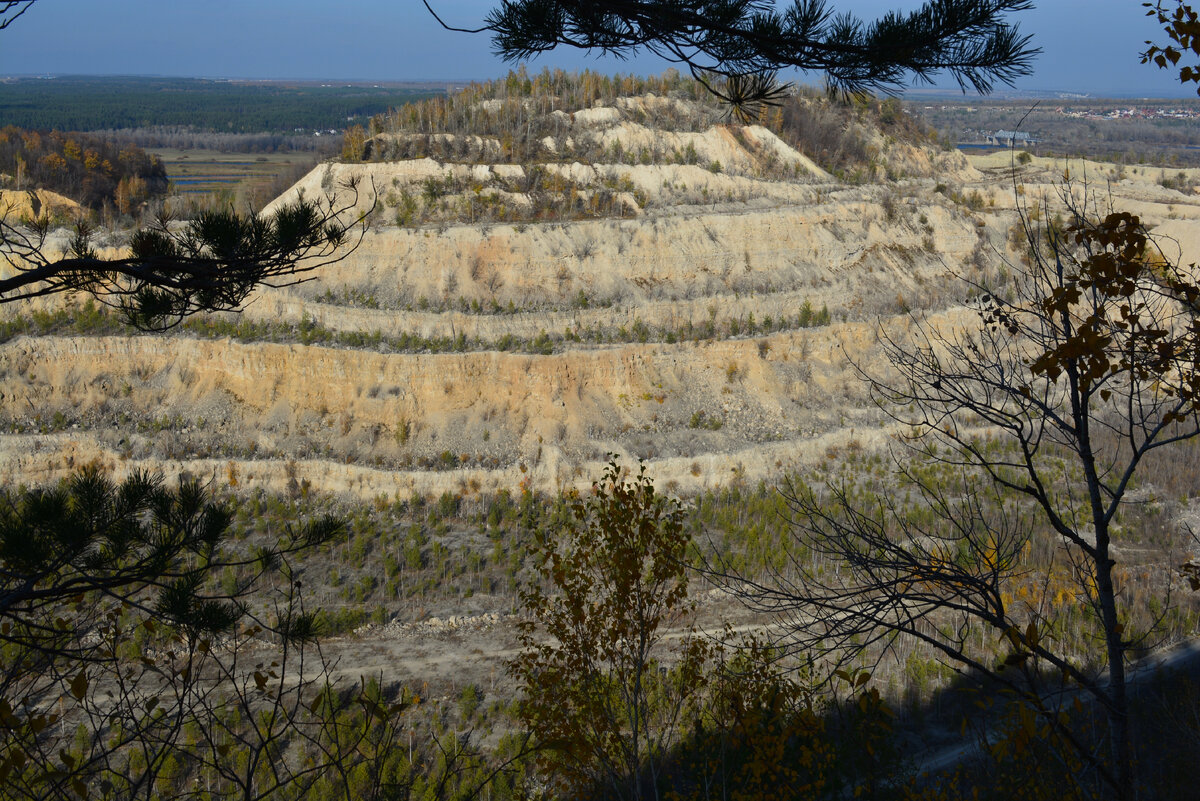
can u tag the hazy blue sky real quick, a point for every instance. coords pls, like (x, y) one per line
(1089, 45)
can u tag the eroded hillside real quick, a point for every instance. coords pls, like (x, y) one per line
(543, 284)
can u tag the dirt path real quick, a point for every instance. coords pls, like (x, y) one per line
(1183, 656)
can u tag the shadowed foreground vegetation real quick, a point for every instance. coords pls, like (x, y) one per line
(756, 723)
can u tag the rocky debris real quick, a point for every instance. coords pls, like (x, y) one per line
(435, 626)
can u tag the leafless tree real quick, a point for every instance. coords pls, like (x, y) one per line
(1041, 407)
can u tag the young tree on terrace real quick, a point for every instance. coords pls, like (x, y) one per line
(599, 699)
(1057, 397)
(745, 42)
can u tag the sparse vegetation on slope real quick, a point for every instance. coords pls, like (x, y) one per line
(504, 326)
(529, 119)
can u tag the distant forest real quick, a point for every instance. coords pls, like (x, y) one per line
(107, 103)
(91, 170)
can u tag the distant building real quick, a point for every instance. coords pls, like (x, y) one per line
(1012, 138)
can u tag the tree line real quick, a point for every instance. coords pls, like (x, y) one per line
(106, 103)
(181, 137)
(520, 111)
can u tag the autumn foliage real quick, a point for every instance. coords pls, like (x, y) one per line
(85, 168)
(603, 694)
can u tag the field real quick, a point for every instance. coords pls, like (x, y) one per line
(255, 177)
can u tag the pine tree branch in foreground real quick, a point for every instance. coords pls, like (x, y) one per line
(176, 269)
(743, 43)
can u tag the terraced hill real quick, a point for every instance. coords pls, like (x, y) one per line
(548, 279)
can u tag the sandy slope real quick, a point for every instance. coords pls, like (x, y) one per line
(725, 249)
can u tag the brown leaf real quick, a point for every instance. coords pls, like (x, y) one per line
(79, 685)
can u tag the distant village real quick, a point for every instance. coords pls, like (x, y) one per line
(1130, 113)
(1168, 124)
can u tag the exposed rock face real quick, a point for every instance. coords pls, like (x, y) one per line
(815, 244)
(488, 411)
(35, 203)
(714, 328)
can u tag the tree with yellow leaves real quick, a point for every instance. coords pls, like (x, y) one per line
(602, 694)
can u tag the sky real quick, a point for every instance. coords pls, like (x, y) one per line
(1088, 46)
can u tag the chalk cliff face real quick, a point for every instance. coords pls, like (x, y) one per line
(817, 246)
(35, 203)
(711, 321)
(232, 402)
